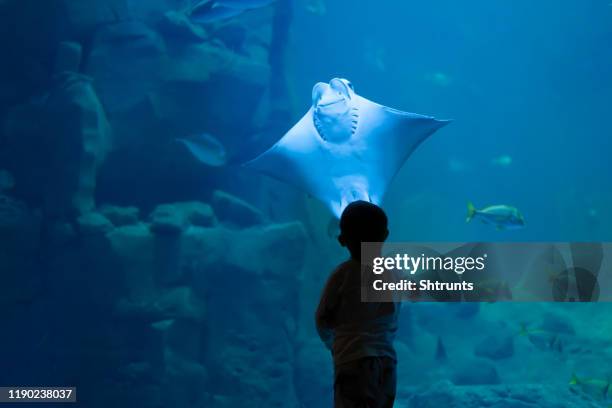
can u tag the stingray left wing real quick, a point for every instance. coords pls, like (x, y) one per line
(299, 158)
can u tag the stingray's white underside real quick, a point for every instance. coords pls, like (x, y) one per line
(360, 168)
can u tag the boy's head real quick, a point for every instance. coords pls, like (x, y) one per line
(362, 221)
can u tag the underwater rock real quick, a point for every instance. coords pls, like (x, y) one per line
(171, 304)
(444, 394)
(72, 136)
(262, 246)
(81, 137)
(82, 17)
(199, 62)
(238, 271)
(134, 247)
(129, 61)
(260, 364)
(252, 275)
(474, 372)
(93, 223)
(441, 355)
(466, 310)
(254, 250)
(131, 35)
(176, 217)
(20, 236)
(185, 379)
(175, 26)
(180, 303)
(557, 324)
(187, 338)
(197, 213)
(313, 375)
(495, 347)
(151, 11)
(233, 210)
(166, 252)
(120, 216)
(153, 87)
(199, 70)
(233, 35)
(166, 219)
(60, 234)
(126, 63)
(23, 127)
(141, 371)
(150, 261)
(7, 181)
(84, 267)
(68, 57)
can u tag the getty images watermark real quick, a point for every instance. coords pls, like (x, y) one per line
(486, 272)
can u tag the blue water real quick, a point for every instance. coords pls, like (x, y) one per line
(112, 284)
(526, 80)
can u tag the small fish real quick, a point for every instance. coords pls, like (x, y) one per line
(162, 325)
(502, 216)
(542, 339)
(206, 149)
(598, 388)
(502, 161)
(316, 7)
(209, 11)
(6, 180)
(524, 330)
(592, 218)
(439, 78)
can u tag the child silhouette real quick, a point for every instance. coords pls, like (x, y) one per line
(359, 334)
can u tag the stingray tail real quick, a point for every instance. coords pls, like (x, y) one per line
(471, 211)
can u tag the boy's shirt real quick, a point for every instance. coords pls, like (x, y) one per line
(350, 328)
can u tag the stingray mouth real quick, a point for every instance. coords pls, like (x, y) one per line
(326, 104)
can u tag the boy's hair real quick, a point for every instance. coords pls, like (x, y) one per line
(362, 221)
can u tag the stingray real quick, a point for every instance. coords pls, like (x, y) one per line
(345, 148)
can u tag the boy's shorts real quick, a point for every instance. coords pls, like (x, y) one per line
(365, 383)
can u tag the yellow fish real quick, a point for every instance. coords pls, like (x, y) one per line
(594, 387)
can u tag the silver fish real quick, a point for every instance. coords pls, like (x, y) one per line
(502, 216)
(208, 11)
(206, 149)
(502, 161)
